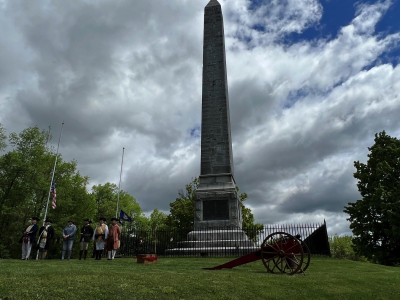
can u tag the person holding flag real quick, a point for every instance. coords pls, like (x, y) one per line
(29, 238)
(100, 235)
(46, 235)
(113, 240)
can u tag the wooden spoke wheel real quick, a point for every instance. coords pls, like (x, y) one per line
(307, 257)
(282, 253)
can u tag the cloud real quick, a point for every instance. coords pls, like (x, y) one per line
(128, 74)
(271, 20)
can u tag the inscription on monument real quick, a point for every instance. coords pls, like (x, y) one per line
(215, 210)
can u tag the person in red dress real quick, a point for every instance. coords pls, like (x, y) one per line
(113, 239)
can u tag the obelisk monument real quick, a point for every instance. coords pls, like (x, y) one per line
(216, 203)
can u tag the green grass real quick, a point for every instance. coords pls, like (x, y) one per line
(183, 278)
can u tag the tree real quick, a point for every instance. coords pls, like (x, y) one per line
(25, 175)
(252, 230)
(106, 197)
(375, 219)
(22, 174)
(3, 138)
(157, 218)
(182, 209)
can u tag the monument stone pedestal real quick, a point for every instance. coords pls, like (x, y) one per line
(217, 204)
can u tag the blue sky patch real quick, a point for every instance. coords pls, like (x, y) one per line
(339, 13)
(195, 131)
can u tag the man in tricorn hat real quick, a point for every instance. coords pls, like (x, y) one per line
(113, 239)
(86, 234)
(28, 238)
(68, 238)
(99, 237)
(46, 235)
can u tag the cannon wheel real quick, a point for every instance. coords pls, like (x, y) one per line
(282, 253)
(307, 257)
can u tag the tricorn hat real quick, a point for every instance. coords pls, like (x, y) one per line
(104, 219)
(71, 220)
(34, 218)
(114, 219)
(87, 220)
(48, 220)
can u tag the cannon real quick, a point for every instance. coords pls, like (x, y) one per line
(280, 253)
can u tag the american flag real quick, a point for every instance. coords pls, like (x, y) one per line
(53, 191)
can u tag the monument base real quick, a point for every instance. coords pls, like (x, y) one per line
(214, 243)
(217, 203)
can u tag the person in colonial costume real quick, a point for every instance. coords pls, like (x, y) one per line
(68, 238)
(46, 235)
(100, 235)
(86, 233)
(113, 240)
(29, 238)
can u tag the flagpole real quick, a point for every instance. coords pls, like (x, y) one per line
(119, 186)
(51, 182)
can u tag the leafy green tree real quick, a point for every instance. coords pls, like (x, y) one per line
(375, 219)
(157, 219)
(106, 197)
(182, 209)
(24, 187)
(247, 215)
(3, 138)
(252, 230)
(22, 194)
(342, 248)
(25, 175)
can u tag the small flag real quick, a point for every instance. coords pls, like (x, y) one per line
(53, 191)
(124, 216)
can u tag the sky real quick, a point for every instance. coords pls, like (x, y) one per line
(310, 83)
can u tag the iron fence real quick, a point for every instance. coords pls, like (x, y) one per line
(216, 241)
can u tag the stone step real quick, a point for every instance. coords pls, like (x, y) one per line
(212, 251)
(224, 234)
(215, 243)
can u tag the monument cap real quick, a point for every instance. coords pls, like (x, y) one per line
(213, 3)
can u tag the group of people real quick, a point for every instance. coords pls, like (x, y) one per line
(104, 237)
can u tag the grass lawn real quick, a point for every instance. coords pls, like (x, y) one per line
(183, 278)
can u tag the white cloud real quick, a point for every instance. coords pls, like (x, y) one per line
(129, 75)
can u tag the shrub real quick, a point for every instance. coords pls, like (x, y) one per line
(342, 247)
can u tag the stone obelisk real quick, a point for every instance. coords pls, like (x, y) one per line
(217, 203)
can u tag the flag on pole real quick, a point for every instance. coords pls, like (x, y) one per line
(53, 191)
(124, 216)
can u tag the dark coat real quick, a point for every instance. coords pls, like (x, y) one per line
(31, 234)
(86, 233)
(50, 236)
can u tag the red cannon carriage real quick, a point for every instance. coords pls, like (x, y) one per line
(280, 253)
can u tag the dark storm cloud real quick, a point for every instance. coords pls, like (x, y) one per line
(326, 192)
